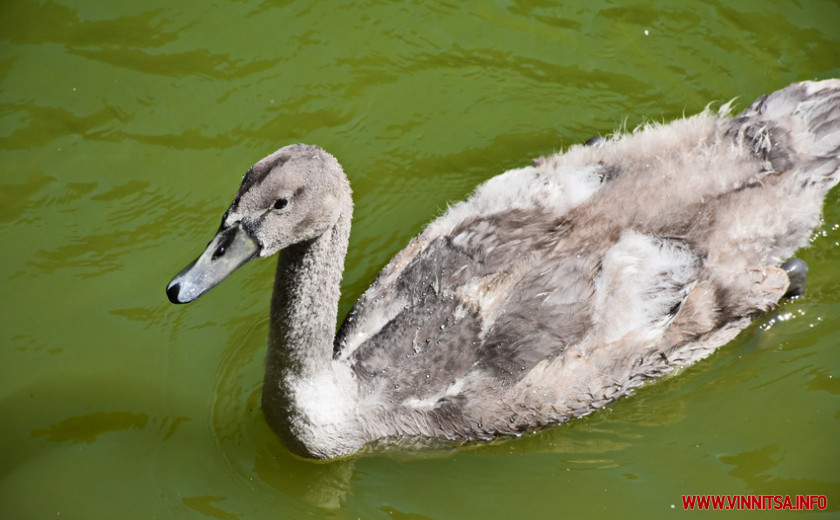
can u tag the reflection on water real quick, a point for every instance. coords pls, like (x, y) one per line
(86, 428)
(204, 505)
(243, 438)
(822, 380)
(16, 198)
(757, 467)
(323, 485)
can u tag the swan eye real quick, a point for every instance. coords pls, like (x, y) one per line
(280, 203)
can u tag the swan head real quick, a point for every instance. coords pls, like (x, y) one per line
(295, 194)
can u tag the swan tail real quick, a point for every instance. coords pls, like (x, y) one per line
(796, 128)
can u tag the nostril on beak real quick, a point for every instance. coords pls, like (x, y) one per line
(172, 292)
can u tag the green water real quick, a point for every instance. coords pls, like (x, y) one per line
(124, 130)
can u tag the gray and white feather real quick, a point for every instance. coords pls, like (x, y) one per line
(551, 291)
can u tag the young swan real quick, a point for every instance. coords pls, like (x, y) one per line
(550, 292)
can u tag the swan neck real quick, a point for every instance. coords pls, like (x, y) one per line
(304, 305)
(305, 391)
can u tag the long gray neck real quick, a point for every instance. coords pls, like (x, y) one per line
(305, 392)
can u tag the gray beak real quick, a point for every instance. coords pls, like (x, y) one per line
(229, 249)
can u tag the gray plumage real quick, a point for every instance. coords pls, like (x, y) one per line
(551, 291)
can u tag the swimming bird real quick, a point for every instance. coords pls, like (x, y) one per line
(550, 292)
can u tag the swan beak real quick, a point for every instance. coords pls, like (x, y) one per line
(230, 248)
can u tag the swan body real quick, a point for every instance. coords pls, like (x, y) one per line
(551, 291)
